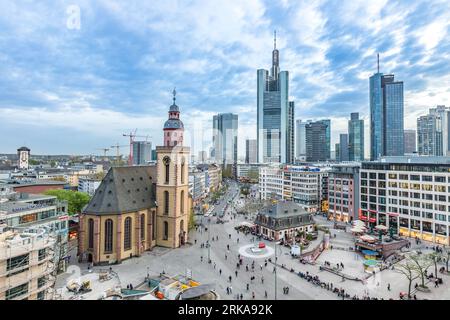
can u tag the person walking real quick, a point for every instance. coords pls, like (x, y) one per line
(236, 273)
(262, 280)
(265, 294)
(389, 287)
(229, 278)
(248, 286)
(220, 271)
(253, 295)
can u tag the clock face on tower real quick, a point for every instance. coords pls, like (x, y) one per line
(23, 156)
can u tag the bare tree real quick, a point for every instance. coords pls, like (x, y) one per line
(421, 264)
(435, 257)
(408, 269)
(446, 256)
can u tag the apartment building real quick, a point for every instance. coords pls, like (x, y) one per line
(23, 211)
(305, 185)
(409, 195)
(26, 264)
(88, 184)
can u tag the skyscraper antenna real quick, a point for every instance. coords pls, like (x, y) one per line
(378, 63)
(274, 39)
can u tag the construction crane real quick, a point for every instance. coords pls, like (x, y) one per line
(117, 147)
(105, 150)
(133, 135)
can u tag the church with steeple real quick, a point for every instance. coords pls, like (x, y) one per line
(136, 208)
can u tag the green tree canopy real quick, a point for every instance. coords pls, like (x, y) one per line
(76, 200)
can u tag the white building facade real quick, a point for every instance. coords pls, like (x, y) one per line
(410, 195)
(305, 185)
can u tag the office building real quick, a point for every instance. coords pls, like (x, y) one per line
(386, 116)
(251, 149)
(343, 192)
(410, 141)
(433, 132)
(355, 137)
(337, 152)
(300, 139)
(274, 114)
(306, 185)
(202, 156)
(142, 152)
(343, 147)
(408, 195)
(225, 131)
(317, 142)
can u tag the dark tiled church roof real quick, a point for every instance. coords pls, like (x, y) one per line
(124, 189)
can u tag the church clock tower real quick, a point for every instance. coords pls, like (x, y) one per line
(172, 190)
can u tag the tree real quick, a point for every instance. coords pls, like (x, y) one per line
(446, 255)
(191, 223)
(245, 191)
(421, 263)
(76, 200)
(253, 175)
(435, 257)
(34, 162)
(408, 269)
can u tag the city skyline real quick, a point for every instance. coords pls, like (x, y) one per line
(114, 73)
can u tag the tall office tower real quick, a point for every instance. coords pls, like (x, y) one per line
(410, 141)
(225, 131)
(251, 147)
(300, 138)
(337, 152)
(273, 117)
(142, 152)
(327, 122)
(433, 131)
(290, 156)
(316, 141)
(202, 156)
(343, 147)
(356, 137)
(386, 116)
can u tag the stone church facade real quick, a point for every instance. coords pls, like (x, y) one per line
(137, 208)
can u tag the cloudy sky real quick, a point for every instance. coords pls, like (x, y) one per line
(69, 88)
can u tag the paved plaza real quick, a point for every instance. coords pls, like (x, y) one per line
(261, 278)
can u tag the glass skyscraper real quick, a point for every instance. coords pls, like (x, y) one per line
(275, 115)
(316, 141)
(433, 132)
(386, 116)
(356, 137)
(142, 152)
(343, 147)
(225, 130)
